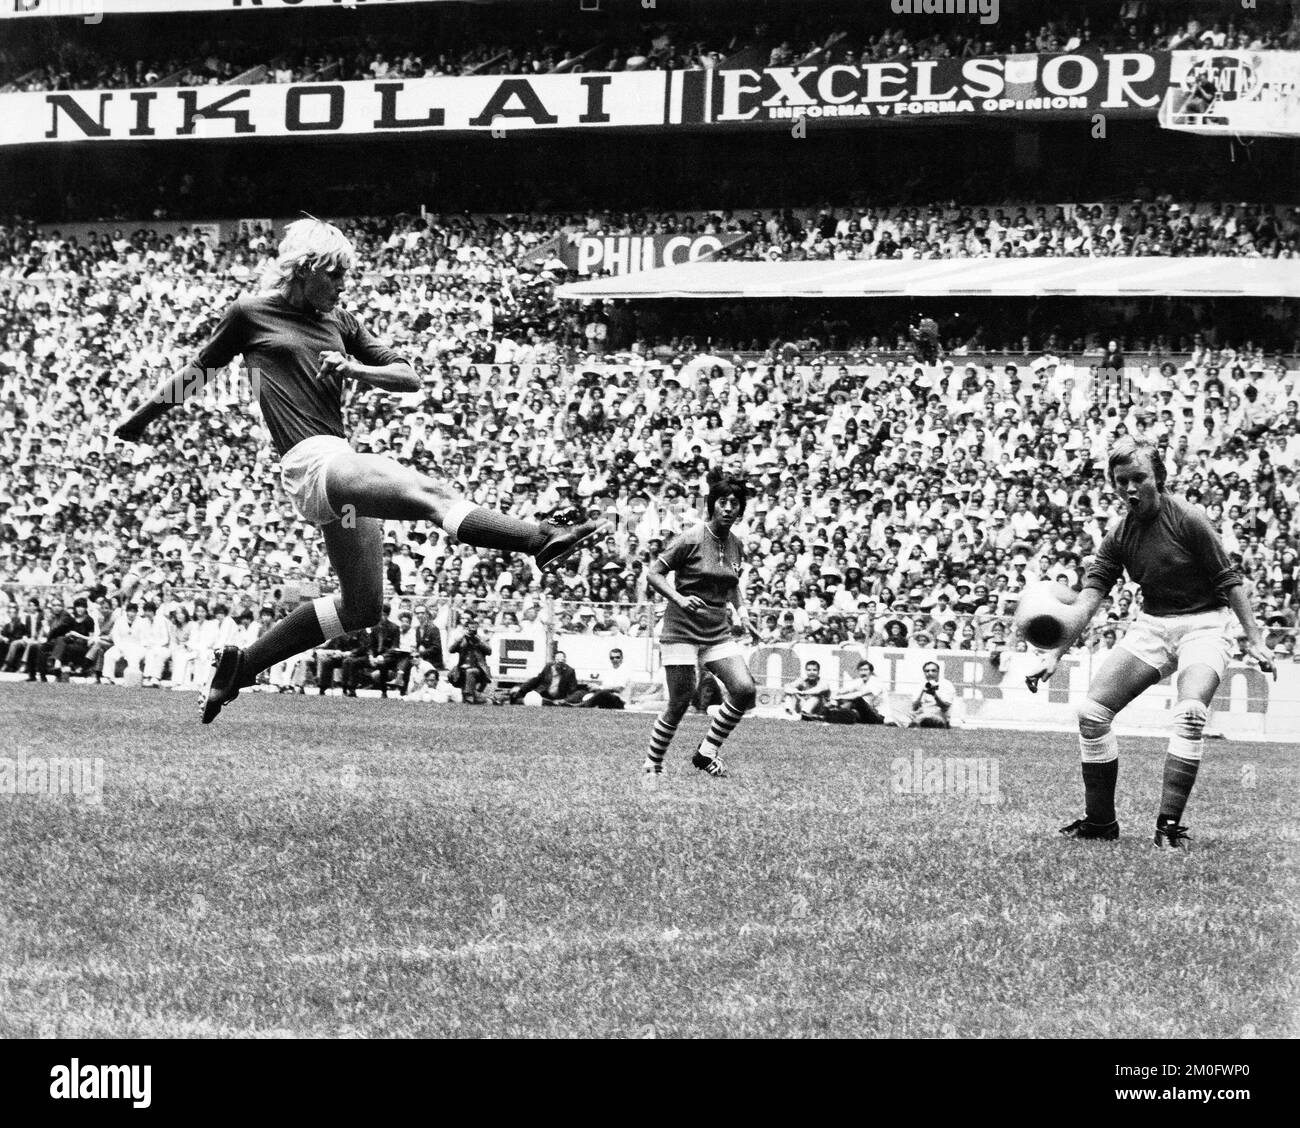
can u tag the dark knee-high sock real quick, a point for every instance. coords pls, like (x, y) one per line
(487, 528)
(304, 627)
(1100, 767)
(1179, 777)
(1099, 791)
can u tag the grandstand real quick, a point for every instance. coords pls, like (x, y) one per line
(621, 246)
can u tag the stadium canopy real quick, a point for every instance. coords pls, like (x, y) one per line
(1046, 277)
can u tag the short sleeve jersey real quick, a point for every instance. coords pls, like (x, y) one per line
(704, 566)
(1176, 558)
(281, 345)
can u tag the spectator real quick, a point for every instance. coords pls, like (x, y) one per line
(470, 674)
(554, 685)
(432, 690)
(611, 687)
(808, 697)
(932, 706)
(862, 700)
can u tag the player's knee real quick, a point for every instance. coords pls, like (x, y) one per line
(1094, 720)
(1189, 719)
(359, 612)
(744, 698)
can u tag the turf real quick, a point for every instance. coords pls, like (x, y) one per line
(324, 867)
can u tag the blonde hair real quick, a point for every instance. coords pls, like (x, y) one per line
(308, 244)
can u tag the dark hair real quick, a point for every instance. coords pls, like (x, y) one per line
(722, 484)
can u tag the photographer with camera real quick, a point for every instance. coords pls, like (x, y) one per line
(932, 706)
(470, 674)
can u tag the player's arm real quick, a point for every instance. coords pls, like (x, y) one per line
(740, 619)
(225, 344)
(657, 579)
(1227, 582)
(1255, 645)
(1085, 607)
(368, 361)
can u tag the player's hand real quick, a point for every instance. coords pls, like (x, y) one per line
(1043, 670)
(693, 605)
(1264, 656)
(334, 363)
(131, 430)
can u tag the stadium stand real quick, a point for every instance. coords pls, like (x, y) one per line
(896, 500)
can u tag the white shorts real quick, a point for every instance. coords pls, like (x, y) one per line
(1174, 642)
(689, 654)
(303, 475)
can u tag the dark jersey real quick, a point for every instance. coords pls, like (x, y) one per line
(281, 346)
(1176, 558)
(704, 566)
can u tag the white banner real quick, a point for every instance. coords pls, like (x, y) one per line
(86, 9)
(1250, 93)
(495, 104)
(1250, 705)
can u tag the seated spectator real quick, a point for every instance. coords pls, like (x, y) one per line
(611, 687)
(433, 690)
(808, 697)
(862, 700)
(932, 706)
(554, 685)
(67, 643)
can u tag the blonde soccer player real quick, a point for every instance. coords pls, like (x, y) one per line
(1190, 593)
(304, 349)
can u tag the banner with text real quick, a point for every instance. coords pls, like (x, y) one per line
(627, 254)
(1250, 93)
(27, 9)
(1018, 86)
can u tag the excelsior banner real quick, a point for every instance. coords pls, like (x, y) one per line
(1018, 86)
(1249, 93)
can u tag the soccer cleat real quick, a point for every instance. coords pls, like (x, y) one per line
(564, 541)
(651, 774)
(222, 688)
(1082, 828)
(710, 764)
(1170, 834)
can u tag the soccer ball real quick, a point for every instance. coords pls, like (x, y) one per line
(1044, 615)
(533, 698)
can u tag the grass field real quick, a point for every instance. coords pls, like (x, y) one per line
(325, 867)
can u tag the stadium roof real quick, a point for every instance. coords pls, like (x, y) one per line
(1046, 277)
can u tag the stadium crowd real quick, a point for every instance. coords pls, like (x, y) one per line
(896, 502)
(471, 43)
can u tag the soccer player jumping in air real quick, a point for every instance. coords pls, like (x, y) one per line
(1169, 548)
(704, 608)
(303, 348)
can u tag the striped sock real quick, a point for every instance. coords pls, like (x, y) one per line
(660, 738)
(726, 719)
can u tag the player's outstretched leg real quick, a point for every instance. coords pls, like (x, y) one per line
(375, 486)
(1099, 753)
(734, 675)
(1182, 761)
